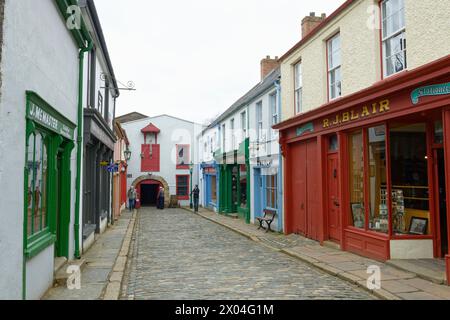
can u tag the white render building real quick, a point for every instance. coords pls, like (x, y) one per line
(164, 154)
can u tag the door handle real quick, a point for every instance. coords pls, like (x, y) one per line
(337, 204)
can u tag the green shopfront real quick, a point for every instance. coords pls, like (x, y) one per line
(234, 186)
(47, 180)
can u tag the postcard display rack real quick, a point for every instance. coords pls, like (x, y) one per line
(398, 213)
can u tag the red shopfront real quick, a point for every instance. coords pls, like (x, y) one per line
(371, 171)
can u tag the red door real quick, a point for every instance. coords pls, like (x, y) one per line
(334, 225)
(297, 172)
(312, 190)
(304, 203)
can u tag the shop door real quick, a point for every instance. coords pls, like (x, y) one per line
(442, 202)
(334, 226)
(305, 187)
(58, 244)
(297, 190)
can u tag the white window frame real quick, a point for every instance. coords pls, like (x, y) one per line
(274, 117)
(259, 120)
(298, 83)
(233, 135)
(224, 138)
(334, 69)
(401, 31)
(244, 123)
(271, 188)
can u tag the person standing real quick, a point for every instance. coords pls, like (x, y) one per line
(131, 198)
(160, 198)
(196, 195)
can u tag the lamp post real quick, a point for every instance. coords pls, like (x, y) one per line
(191, 169)
(127, 154)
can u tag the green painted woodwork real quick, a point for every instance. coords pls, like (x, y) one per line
(79, 147)
(65, 198)
(41, 118)
(226, 203)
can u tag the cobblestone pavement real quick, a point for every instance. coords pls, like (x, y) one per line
(178, 255)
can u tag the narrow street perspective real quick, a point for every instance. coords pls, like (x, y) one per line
(181, 256)
(226, 150)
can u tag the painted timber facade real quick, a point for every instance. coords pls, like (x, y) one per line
(365, 137)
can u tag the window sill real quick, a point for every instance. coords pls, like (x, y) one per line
(183, 197)
(39, 244)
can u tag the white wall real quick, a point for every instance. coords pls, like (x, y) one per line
(39, 54)
(173, 131)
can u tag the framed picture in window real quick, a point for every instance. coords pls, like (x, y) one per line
(358, 215)
(418, 226)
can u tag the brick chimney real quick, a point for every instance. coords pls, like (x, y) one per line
(268, 65)
(310, 22)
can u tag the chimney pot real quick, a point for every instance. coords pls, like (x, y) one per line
(309, 23)
(268, 65)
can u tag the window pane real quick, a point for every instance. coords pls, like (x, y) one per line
(409, 174)
(378, 218)
(43, 187)
(31, 184)
(393, 17)
(213, 189)
(438, 132)
(357, 180)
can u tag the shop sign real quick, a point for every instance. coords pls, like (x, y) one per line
(45, 119)
(309, 127)
(356, 114)
(433, 90)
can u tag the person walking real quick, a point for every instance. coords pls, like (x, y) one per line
(131, 198)
(160, 198)
(196, 195)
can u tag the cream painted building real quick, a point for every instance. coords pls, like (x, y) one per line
(358, 24)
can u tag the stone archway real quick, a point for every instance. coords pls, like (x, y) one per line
(161, 180)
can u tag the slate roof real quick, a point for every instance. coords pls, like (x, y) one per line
(255, 92)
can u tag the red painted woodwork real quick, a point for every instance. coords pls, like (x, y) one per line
(305, 207)
(183, 197)
(150, 160)
(296, 216)
(446, 124)
(123, 187)
(370, 245)
(151, 128)
(334, 202)
(313, 189)
(299, 173)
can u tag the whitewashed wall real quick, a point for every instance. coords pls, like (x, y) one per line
(39, 54)
(173, 131)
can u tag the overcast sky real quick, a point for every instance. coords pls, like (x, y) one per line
(194, 58)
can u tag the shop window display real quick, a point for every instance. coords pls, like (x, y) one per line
(357, 179)
(409, 174)
(378, 204)
(243, 186)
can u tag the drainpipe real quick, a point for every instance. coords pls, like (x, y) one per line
(280, 163)
(79, 147)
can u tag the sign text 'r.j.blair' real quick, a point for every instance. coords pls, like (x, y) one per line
(356, 114)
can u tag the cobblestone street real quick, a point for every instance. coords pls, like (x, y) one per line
(178, 255)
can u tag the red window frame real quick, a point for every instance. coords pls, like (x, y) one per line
(182, 197)
(188, 148)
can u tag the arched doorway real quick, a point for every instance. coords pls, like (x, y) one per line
(147, 188)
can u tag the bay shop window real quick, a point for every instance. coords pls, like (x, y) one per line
(395, 200)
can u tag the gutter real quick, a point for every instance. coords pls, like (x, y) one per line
(277, 84)
(79, 147)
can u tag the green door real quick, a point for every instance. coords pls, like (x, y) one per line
(58, 243)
